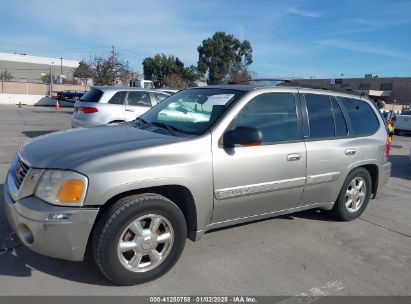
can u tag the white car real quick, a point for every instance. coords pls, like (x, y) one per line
(402, 122)
(113, 105)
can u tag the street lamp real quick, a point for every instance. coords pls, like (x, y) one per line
(61, 65)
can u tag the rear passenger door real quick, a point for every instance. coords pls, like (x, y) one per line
(114, 109)
(137, 103)
(331, 150)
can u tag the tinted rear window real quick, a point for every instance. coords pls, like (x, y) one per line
(339, 120)
(362, 117)
(92, 96)
(320, 116)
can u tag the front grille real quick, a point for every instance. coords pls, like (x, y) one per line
(20, 172)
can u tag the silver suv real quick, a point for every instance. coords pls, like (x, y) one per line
(113, 105)
(203, 158)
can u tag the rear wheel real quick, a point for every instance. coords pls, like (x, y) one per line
(354, 195)
(139, 239)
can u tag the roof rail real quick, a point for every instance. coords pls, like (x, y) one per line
(290, 82)
(325, 88)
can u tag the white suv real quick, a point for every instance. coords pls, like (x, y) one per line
(109, 105)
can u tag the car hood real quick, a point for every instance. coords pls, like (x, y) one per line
(68, 149)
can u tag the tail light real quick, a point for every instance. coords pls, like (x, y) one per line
(88, 110)
(387, 146)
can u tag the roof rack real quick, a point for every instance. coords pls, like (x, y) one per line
(290, 82)
(325, 88)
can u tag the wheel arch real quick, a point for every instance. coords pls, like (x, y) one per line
(180, 195)
(373, 170)
(374, 173)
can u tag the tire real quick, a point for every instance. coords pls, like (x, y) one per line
(143, 222)
(343, 209)
(396, 132)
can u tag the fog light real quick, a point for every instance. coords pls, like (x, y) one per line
(58, 217)
(25, 234)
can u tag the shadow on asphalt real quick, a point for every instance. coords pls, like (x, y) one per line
(401, 166)
(22, 262)
(32, 134)
(52, 111)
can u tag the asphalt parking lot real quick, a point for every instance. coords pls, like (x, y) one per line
(303, 253)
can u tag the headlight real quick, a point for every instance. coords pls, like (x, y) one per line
(60, 187)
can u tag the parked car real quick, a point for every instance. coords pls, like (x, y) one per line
(113, 105)
(132, 193)
(70, 96)
(402, 122)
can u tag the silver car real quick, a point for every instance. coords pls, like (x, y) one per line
(113, 105)
(132, 193)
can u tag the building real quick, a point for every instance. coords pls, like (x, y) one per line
(26, 68)
(389, 89)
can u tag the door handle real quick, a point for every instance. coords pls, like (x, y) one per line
(294, 157)
(350, 151)
(129, 110)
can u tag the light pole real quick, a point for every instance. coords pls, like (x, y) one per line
(51, 79)
(61, 69)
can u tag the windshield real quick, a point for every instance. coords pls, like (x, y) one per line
(191, 111)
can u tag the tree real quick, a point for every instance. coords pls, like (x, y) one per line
(6, 76)
(238, 73)
(106, 71)
(83, 71)
(165, 70)
(220, 53)
(175, 81)
(158, 67)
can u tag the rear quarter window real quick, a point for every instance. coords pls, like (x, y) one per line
(93, 95)
(118, 98)
(362, 118)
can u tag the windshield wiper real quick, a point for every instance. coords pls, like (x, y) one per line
(141, 121)
(169, 128)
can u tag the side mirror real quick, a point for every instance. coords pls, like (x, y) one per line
(243, 136)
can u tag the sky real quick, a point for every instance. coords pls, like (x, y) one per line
(316, 38)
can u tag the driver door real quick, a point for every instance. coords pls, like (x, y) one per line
(256, 180)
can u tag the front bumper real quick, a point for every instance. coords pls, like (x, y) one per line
(65, 238)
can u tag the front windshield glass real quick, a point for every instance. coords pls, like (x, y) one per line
(191, 111)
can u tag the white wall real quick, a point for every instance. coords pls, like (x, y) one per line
(38, 100)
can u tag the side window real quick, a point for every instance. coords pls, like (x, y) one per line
(320, 116)
(274, 114)
(339, 120)
(139, 99)
(362, 118)
(118, 98)
(159, 97)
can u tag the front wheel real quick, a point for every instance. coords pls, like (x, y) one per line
(354, 195)
(139, 239)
